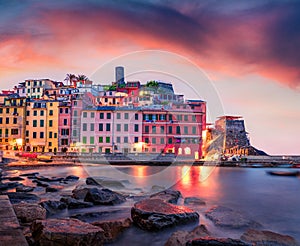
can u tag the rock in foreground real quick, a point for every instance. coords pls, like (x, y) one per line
(103, 197)
(206, 241)
(112, 229)
(17, 197)
(223, 216)
(180, 238)
(194, 201)
(267, 238)
(66, 232)
(170, 196)
(27, 212)
(156, 214)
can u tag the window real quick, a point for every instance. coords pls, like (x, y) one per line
(100, 127)
(162, 141)
(118, 116)
(162, 117)
(92, 126)
(14, 132)
(125, 139)
(41, 134)
(146, 129)
(136, 127)
(84, 127)
(146, 140)
(153, 129)
(50, 123)
(66, 110)
(108, 116)
(84, 140)
(60, 110)
(51, 104)
(65, 122)
(179, 117)
(64, 132)
(162, 129)
(154, 140)
(101, 116)
(125, 127)
(42, 113)
(177, 129)
(108, 127)
(55, 135)
(7, 110)
(50, 111)
(126, 116)
(27, 113)
(194, 130)
(64, 142)
(34, 123)
(84, 114)
(27, 133)
(92, 140)
(41, 123)
(186, 118)
(107, 139)
(193, 118)
(75, 113)
(170, 129)
(92, 115)
(170, 117)
(1, 120)
(15, 121)
(50, 134)
(118, 127)
(118, 139)
(136, 139)
(74, 133)
(34, 135)
(100, 140)
(170, 140)
(7, 120)
(1, 110)
(136, 116)
(75, 103)
(186, 130)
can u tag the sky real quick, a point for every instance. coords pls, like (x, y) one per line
(249, 50)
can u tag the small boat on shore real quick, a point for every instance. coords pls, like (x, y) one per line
(284, 173)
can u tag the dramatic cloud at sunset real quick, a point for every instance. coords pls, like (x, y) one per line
(231, 38)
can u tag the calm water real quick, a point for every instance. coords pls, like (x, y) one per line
(272, 201)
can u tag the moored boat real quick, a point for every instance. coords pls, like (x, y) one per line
(284, 173)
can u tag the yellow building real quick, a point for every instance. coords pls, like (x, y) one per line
(42, 126)
(12, 123)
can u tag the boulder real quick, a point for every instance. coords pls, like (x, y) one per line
(80, 191)
(23, 188)
(170, 196)
(27, 212)
(112, 229)
(17, 197)
(66, 232)
(267, 238)
(9, 185)
(71, 178)
(91, 181)
(52, 206)
(180, 238)
(29, 174)
(193, 201)
(73, 203)
(155, 214)
(104, 197)
(49, 179)
(106, 182)
(206, 241)
(1, 171)
(226, 217)
(98, 215)
(53, 188)
(40, 183)
(15, 178)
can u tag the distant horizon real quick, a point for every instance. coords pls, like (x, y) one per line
(247, 49)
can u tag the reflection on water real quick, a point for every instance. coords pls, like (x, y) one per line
(272, 201)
